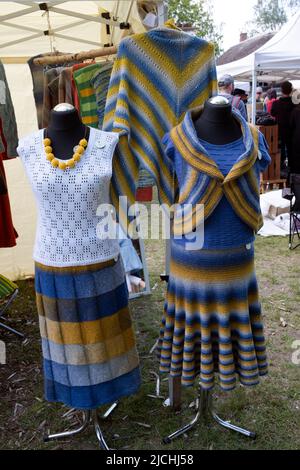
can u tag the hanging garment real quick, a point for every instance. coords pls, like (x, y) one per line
(212, 320)
(86, 94)
(157, 76)
(7, 115)
(37, 74)
(74, 88)
(88, 341)
(8, 234)
(65, 94)
(50, 95)
(100, 82)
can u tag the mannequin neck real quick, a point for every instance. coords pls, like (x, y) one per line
(217, 125)
(65, 131)
(61, 121)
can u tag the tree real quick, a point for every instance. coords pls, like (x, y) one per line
(271, 15)
(194, 13)
(293, 4)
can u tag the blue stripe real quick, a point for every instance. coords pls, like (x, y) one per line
(92, 308)
(96, 395)
(78, 285)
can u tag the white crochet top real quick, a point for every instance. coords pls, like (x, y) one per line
(68, 229)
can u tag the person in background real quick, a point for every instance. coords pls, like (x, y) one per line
(226, 88)
(269, 100)
(281, 110)
(259, 94)
(295, 147)
(243, 97)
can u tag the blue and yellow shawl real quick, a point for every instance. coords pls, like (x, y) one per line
(205, 185)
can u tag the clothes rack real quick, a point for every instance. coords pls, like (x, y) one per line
(78, 56)
(56, 59)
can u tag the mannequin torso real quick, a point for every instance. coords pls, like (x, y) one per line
(65, 131)
(217, 125)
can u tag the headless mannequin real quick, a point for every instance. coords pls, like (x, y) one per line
(217, 124)
(65, 131)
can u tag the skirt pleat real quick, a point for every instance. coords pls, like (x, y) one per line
(212, 318)
(88, 343)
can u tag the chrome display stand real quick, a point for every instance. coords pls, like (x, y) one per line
(204, 407)
(89, 417)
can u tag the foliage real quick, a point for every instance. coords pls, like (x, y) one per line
(271, 15)
(195, 14)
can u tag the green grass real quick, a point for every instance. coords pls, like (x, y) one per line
(271, 409)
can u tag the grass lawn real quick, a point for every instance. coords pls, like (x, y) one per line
(272, 409)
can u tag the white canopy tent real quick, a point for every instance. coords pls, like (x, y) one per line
(26, 29)
(277, 60)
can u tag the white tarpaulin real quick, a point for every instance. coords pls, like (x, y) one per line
(73, 32)
(276, 60)
(271, 203)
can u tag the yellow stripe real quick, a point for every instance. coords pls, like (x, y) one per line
(89, 119)
(189, 185)
(240, 205)
(76, 269)
(196, 159)
(243, 166)
(87, 92)
(211, 198)
(89, 332)
(206, 309)
(179, 76)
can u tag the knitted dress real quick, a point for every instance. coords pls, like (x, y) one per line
(88, 342)
(212, 318)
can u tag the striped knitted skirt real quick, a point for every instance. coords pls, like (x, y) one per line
(88, 344)
(212, 320)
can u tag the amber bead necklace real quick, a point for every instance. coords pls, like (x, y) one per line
(64, 164)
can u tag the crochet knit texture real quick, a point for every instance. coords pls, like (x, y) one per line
(156, 78)
(69, 231)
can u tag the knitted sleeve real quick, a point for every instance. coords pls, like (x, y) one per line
(263, 156)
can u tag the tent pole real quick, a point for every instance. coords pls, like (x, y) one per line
(254, 85)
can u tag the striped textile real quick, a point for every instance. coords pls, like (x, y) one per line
(212, 320)
(88, 342)
(207, 185)
(100, 82)
(7, 287)
(157, 76)
(86, 94)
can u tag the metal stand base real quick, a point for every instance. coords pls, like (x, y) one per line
(204, 406)
(89, 417)
(12, 330)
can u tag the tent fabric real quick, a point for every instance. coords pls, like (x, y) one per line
(276, 60)
(16, 263)
(71, 33)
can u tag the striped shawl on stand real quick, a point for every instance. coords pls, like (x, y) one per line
(156, 78)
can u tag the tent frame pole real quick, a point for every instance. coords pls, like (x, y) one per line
(254, 85)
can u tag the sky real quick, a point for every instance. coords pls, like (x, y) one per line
(234, 14)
